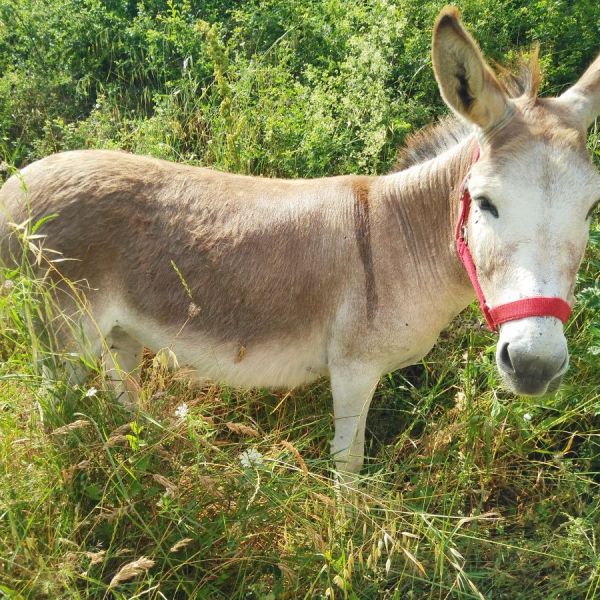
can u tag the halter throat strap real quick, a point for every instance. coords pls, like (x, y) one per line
(538, 306)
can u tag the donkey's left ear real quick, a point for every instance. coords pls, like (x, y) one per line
(583, 98)
(468, 85)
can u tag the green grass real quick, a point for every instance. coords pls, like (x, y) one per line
(209, 492)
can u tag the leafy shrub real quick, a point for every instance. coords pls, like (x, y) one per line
(291, 88)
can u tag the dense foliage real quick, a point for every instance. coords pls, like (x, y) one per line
(211, 493)
(295, 88)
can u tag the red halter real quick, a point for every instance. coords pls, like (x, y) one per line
(520, 309)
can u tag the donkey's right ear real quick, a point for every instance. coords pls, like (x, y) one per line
(468, 85)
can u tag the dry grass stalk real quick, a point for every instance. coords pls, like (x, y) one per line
(111, 515)
(297, 457)
(324, 499)
(67, 474)
(114, 440)
(208, 420)
(20, 441)
(241, 354)
(413, 559)
(79, 424)
(241, 429)
(193, 310)
(126, 428)
(166, 483)
(96, 557)
(180, 544)
(488, 516)
(131, 570)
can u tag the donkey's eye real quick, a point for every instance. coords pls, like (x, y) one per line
(591, 212)
(486, 205)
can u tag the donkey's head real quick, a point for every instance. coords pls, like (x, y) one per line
(533, 191)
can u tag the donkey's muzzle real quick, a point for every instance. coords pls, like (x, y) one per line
(530, 372)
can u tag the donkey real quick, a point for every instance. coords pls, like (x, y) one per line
(271, 282)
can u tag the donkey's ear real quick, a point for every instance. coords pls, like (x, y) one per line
(583, 99)
(468, 85)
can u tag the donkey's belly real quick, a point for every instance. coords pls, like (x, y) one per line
(273, 363)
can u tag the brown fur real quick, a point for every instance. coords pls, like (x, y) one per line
(540, 118)
(132, 222)
(264, 259)
(427, 143)
(248, 250)
(270, 282)
(251, 270)
(589, 84)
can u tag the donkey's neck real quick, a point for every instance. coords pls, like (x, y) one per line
(421, 205)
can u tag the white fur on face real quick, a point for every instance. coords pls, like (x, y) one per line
(535, 246)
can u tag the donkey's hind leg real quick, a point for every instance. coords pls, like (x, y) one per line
(122, 358)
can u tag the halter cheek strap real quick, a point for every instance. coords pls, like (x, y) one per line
(511, 311)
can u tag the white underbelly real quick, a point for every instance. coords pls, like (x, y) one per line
(272, 363)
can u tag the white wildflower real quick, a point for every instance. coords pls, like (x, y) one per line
(251, 458)
(91, 392)
(182, 411)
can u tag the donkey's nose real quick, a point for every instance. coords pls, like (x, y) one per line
(530, 372)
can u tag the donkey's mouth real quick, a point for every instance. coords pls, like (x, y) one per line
(530, 386)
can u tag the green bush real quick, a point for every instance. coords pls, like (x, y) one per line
(273, 87)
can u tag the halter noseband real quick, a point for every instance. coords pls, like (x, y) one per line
(511, 311)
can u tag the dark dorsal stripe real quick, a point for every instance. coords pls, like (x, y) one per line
(362, 228)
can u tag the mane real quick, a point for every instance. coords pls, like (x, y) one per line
(435, 139)
(431, 141)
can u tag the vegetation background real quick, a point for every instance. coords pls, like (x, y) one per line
(213, 493)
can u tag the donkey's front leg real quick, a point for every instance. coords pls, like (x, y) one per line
(352, 386)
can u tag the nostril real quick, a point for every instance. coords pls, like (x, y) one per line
(504, 358)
